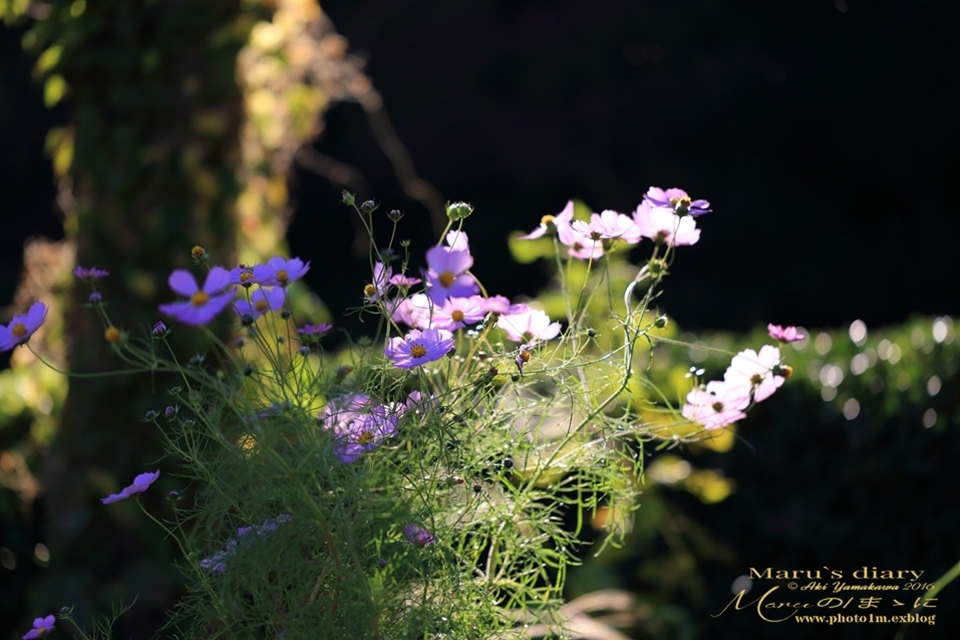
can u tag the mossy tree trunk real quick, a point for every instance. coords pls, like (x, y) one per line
(155, 112)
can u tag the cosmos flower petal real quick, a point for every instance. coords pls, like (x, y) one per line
(183, 282)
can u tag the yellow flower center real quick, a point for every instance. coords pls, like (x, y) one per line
(418, 351)
(369, 289)
(545, 220)
(457, 315)
(282, 276)
(260, 305)
(717, 406)
(364, 437)
(246, 275)
(112, 335)
(756, 378)
(199, 299)
(18, 330)
(197, 252)
(525, 356)
(446, 278)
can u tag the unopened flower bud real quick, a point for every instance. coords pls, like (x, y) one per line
(95, 297)
(304, 350)
(199, 254)
(348, 198)
(246, 319)
(368, 206)
(285, 314)
(149, 415)
(159, 329)
(112, 335)
(169, 412)
(248, 370)
(395, 215)
(657, 267)
(458, 210)
(660, 322)
(64, 610)
(173, 496)
(239, 342)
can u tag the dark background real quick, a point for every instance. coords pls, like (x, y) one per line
(824, 133)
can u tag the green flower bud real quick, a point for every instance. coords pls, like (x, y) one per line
(459, 210)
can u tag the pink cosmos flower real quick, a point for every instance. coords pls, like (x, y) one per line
(203, 304)
(579, 244)
(263, 300)
(21, 327)
(89, 273)
(750, 370)
(41, 627)
(419, 347)
(784, 334)
(447, 277)
(501, 306)
(677, 201)
(664, 226)
(246, 276)
(140, 484)
(609, 225)
(359, 423)
(457, 313)
(415, 311)
(401, 280)
(529, 327)
(286, 271)
(562, 219)
(717, 406)
(458, 241)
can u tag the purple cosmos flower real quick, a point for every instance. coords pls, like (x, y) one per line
(757, 372)
(262, 300)
(286, 271)
(418, 535)
(21, 327)
(418, 403)
(382, 275)
(41, 627)
(784, 334)
(204, 303)
(579, 244)
(311, 333)
(523, 357)
(529, 326)
(501, 306)
(458, 241)
(245, 537)
(664, 226)
(457, 313)
(717, 406)
(91, 273)
(415, 311)
(140, 484)
(419, 347)
(562, 219)
(446, 277)
(609, 225)
(359, 424)
(677, 201)
(247, 276)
